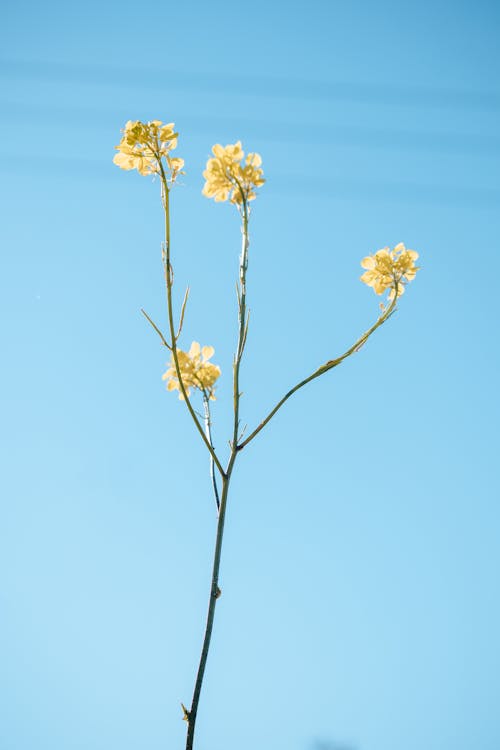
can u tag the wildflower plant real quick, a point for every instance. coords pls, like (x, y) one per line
(230, 177)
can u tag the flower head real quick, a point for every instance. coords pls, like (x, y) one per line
(196, 371)
(144, 144)
(390, 269)
(230, 176)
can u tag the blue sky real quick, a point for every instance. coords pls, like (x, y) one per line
(360, 567)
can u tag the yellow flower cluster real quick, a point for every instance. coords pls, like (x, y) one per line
(388, 268)
(229, 176)
(143, 146)
(196, 371)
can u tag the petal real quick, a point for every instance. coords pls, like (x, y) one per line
(207, 352)
(123, 161)
(368, 262)
(379, 286)
(254, 160)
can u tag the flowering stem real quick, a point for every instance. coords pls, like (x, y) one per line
(208, 433)
(324, 368)
(215, 591)
(242, 320)
(168, 282)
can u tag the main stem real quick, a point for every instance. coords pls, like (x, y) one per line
(214, 595)
(215, 591)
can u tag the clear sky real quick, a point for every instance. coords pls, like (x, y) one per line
(360, 606)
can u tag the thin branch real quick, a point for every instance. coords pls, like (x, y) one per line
(183, 310)
(245, 332)
(208, 433)
(325, 368)
(160, 334)
(242, 319)
(169, 282)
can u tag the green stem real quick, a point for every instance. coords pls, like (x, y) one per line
(208, 433)
(242, 315)
(168, 282)
(160, 334)
(214, 595)
(324, 368)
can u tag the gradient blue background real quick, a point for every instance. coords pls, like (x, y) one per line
(360, 605)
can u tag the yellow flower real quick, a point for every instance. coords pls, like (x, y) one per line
(229, 176)
(388, 268)
(196, 371)
(144, 144)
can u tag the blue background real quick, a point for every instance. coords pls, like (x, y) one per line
(360, 604)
